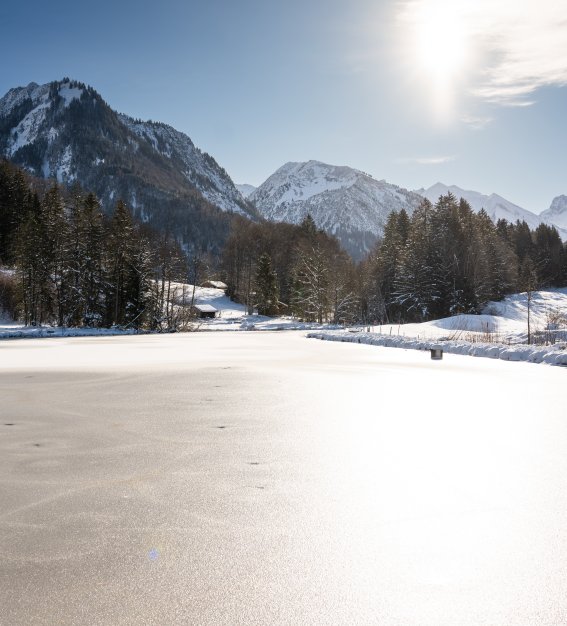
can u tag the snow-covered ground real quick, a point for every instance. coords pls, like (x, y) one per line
(499, 333)
(16, 330)
(500, 322)
(231, 316)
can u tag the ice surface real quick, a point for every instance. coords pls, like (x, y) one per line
(500, 332)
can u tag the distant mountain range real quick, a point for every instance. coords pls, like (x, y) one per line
(64, 130)
(498, 207)
(343, 201)
(354, 206)
(246, 190)
(557, 213)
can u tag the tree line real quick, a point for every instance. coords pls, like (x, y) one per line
(445, 260)
(72, 265)
(290, 269)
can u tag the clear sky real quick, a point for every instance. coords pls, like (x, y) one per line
(466, 92)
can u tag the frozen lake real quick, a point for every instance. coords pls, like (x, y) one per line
(264, 478)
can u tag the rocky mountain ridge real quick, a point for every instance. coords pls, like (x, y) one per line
(343, 201)
(64, 130)
(498, 207)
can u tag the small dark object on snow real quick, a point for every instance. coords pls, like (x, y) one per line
(436, 354)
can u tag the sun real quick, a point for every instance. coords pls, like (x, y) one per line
(437, 43)
(440, 42)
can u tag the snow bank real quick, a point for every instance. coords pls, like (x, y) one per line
(500, 322)
(18, 331)
(552, 355)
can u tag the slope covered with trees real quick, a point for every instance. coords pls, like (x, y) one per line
(65, 131)
(69, 264)
(446, 260)
(73, 266)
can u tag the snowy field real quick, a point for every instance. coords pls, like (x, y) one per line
(231, 316)
(500, 322)
(259, 478)
(499, 332)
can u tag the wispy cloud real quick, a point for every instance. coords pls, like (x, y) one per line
(433, 160)
(520, 46)
(476, 122)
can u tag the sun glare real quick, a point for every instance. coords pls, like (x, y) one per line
(440, 44)
(439, 48)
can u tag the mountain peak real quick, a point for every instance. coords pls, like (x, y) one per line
(342, 201)
(495, 205)
(65, 130)
(557, 212)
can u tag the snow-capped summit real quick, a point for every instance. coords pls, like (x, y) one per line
(496, 206)
(30, 107)
(65, 130)
(343, 201)
(246, 190)
(557, 212)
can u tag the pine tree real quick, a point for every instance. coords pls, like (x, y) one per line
(308, 227)
(120, 252)
(55, 255)
(86, 261)
(548, 253)
(383, 306)
(415, 288)
(29, 261)
(311, 299)
(266, 286)
(15, 204)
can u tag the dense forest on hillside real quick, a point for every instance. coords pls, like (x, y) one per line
(164, 178)
(445, 259)
(70, 265)
(65, 263)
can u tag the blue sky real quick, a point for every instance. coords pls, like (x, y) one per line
(467, 92)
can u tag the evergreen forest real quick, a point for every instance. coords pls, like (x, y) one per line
(64, 262)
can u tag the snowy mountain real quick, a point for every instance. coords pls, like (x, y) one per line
(557, 212)
(246, 190)
(496, 206)
(343, 201)
(199, 168)
(64, 130)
